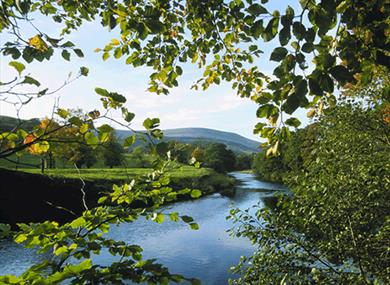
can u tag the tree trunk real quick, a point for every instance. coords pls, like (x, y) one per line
(42, 165)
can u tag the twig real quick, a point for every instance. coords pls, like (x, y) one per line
(82, 188)
(61, 208)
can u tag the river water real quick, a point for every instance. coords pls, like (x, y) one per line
(206, 254)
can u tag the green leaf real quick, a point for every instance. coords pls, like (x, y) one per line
(128, 116)
(91, 140)
(307, 47)
(69, 271)
(17, 65)
(196, 193)
(257, 9)
(118, 53)
(187, 219)
(151, 123)
(155, 26)
(271, 30)
(61, 250)
(75, 121)
(315, 88)
(257, 28)
(84, 71)
(105, 128)
(129, 141)
(179, 70)
(284, 36)
(105, 56)
(65, 54)
(63, 113)
(67, 44)
(117, 97)
(158, 218)
(278, 54)
(174, 216)
(299, 30)
(194, 226)
(79, 222)
(291, 104)
(326, 83)
(30, 80)
(78, 52)
(341, 74)
(157, 134)
(293, 122)
(102, 92)
(20, 238)
(266, 111)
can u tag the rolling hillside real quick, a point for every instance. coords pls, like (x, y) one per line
(193, 135)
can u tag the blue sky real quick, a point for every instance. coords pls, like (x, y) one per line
(217, 108)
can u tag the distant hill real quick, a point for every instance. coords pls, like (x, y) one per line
(8, 123)
(233, 141)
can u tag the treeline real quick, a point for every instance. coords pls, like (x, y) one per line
(68, 148)
(112, 154)
(294, 155)
(212, 155)
(338, 173)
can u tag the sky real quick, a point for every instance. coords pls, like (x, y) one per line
(218, 107)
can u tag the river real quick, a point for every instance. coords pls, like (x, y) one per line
(206, 254)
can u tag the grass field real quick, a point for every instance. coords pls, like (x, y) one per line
(118, 173)
(182, 176)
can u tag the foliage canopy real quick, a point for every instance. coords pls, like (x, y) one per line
(347, 42)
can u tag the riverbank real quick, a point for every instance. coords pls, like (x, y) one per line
(27, 196)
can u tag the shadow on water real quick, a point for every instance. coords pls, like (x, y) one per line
(206, 254)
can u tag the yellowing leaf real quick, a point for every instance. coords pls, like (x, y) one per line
(39, 148)
(37, 43)
(115, 42)
(84, 128)
(28, 139)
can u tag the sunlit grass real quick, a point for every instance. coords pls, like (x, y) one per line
(119, 173)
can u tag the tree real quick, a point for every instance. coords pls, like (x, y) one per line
(199, 154)
(182, 152)
(138, 157)
(84, 155)
(333, 228)
(218, 157)
(244, 161)
(269, 168)
(294, 156)
(345, 40)
(113, 152)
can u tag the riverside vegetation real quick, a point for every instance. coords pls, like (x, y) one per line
(331, 57)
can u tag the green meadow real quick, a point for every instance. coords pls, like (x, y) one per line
(118, 173)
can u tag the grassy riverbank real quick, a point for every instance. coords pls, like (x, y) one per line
(109, 174)
(34, 194)
(204, 179)
(247, 171)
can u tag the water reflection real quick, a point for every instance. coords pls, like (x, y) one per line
(206, 254)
